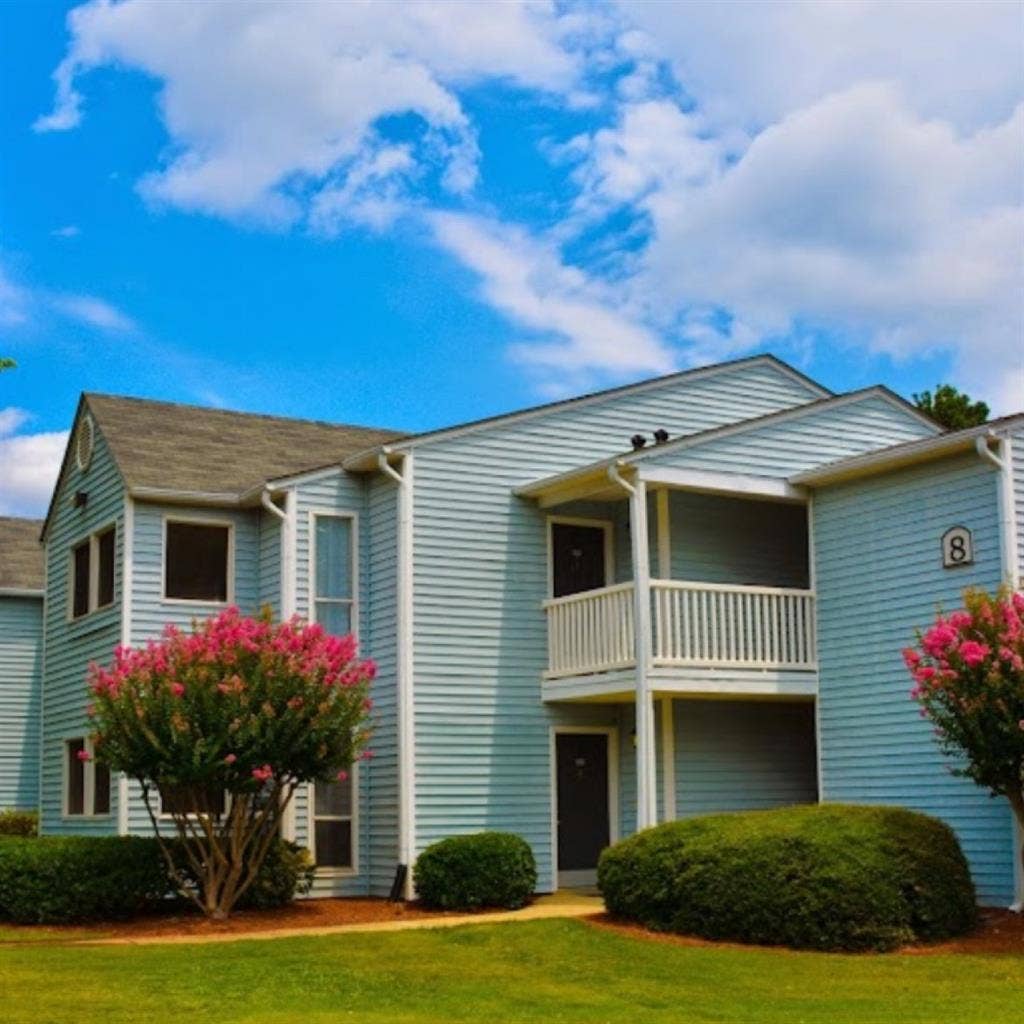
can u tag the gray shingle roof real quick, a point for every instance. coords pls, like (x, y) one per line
(191, 448)
(21, 554)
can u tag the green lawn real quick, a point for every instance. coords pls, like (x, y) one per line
(538, 971)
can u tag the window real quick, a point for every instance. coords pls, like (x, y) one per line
(197, 561)
(188, 800)
(84, 443)
(333, 824)
(86, 783)
(334, 573)
(92, 572)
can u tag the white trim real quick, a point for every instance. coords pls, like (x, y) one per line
(405, 659)
(611, 732)
(312, 515)
(289, 556)
(668, 759)
(535, 488)
(21, 592)
(812, 582)
(770, 488)
(367, 459)
(92, 598)
(311, 819)
(898, 456)
(88, 783)
(664, 534)
(42, 746)
(127, 572)
(172, 496)
(198, 521)
(598, 524)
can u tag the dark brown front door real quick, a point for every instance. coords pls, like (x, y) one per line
(582, 773)
(577, 557)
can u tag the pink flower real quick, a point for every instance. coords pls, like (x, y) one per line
(230, 759)
(973, 653)
(342, 776)
(263, 774)
(177, 689)
(911, 658)
(938, 639)
(924, 674)
(84, 755)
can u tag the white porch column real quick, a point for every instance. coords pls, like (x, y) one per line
(646, 779)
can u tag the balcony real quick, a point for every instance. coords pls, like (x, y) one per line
(707, 630)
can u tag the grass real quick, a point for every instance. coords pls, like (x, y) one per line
(552, 971)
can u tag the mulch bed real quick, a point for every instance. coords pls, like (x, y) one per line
(1000, 932)
(319, 913)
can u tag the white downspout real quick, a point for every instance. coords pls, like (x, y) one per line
(1011, 576)
(646, 779)
(287, 600)
(404, 659)
(127, 573)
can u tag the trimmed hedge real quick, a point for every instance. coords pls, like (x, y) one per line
(19, 823)
(486, 869)
(79, 878)
(67, 879)
(829, 877)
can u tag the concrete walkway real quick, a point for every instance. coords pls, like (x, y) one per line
(558, 905)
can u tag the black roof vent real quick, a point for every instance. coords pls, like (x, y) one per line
(638, 441)
(660, 436)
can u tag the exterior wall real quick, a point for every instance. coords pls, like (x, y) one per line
(880, 576)
(729, 755)
(802, 442)
(71, 645)
(1017, 448)
(21, 655)
(480, 565)
(269, 569)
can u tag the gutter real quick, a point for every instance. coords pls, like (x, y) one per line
(21, 592)
(405, 666)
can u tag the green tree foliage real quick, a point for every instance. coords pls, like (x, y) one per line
(950, 408)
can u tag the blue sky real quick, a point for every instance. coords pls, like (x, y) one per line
(409, 215)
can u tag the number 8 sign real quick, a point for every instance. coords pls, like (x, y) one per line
(957, 547)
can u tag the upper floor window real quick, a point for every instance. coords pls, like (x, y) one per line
(197, 561)
(86, 783)
(334, 572)
(92, 572)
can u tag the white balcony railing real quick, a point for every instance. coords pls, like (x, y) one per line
(692, 624)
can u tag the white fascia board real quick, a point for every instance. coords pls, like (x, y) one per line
(732, 484)
(167, 495)
(902, 455)
(367, 459)
(21, 592)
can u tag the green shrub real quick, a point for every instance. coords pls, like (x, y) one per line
(829, 877)
(19, 823)
(287, 871)
(486, 869)
(79, 878)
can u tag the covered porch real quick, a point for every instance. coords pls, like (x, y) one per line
(668, 585)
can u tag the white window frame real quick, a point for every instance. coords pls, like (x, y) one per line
(353, 602)
(88, 782)
(199, 521)
(609, 545)
(312, 818)
(93, 605)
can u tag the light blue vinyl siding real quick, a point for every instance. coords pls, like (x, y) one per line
(340, 492)
(879, 577)
(72, 645)
(21, 655)
(1017, 448)
(270, 562)
(483, 734)
(801, 442)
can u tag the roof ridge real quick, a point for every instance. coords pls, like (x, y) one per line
(89, 395)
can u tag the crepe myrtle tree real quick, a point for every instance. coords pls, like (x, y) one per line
(225, 721)
(968, 671)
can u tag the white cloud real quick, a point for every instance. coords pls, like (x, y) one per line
(266, 102)
(853, 214)
(14, 302)
(750, 63)
(29, 464)
(93, 311)
(67, 231)
(581, 332)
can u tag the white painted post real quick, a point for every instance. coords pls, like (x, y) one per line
(646, 804)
